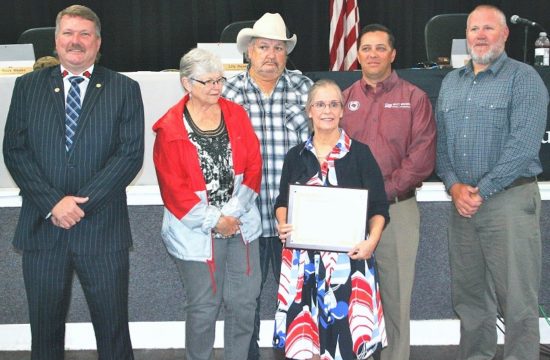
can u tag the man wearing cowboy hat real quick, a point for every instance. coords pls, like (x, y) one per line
(275, 99)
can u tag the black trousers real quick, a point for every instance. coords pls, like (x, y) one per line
(270, 253)
(104, 278)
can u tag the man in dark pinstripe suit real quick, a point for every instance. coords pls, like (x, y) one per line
(74, 216)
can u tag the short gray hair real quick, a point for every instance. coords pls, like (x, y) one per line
(199, 61)
(79, 11)
(500, 13)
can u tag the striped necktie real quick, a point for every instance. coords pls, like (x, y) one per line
(72, 110)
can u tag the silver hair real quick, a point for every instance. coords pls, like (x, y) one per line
(199, 61)
(79, 11)
(501, 16)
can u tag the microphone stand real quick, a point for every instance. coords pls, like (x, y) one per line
(525, 33)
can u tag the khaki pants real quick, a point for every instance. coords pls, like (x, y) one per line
(396, 260)
(495, 262)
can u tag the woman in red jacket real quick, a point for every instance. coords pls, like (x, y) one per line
(208, 164)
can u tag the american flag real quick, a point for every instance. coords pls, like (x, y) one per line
(344, 29)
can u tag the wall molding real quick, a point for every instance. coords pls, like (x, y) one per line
(150, 194)
(171, 334)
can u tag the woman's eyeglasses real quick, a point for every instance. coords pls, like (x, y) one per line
(321, 105)
(211, 83)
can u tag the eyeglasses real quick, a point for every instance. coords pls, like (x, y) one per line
(211, 83)
(321, 105)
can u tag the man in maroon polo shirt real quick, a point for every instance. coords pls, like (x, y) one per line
(395, 119)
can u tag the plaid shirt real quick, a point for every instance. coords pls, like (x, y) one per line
(279, 122)
(490, 125)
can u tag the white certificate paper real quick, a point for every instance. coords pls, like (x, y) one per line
(326, 218)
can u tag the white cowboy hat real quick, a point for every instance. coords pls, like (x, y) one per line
(269, 26)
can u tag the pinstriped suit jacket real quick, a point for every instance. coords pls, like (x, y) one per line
(106, 155)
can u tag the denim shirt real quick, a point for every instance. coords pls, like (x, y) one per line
(490, 125)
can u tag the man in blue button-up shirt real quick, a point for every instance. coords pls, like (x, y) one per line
(491, 117)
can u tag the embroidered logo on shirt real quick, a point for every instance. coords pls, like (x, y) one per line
(397, 105)
(353, 105)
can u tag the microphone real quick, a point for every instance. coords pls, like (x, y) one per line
(514, 19)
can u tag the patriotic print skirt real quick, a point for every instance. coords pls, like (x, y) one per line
(329, 305)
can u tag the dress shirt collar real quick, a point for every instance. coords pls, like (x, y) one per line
(342, 145)
(86, 74)
(384, 85)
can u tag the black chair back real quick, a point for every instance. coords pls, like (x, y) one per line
(439, 33)
(42, 39)
(230, 32)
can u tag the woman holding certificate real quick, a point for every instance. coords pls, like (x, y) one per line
(328, 302)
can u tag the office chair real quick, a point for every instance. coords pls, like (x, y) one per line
(42, 39)
(229, 33)
(439, 33)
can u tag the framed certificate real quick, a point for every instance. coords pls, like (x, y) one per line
(326, 218)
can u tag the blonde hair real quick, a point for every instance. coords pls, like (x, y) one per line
(79, 11)
(45, 62)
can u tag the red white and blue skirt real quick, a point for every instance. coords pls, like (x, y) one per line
(328, 304)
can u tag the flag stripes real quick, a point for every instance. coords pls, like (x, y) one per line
(344, 29)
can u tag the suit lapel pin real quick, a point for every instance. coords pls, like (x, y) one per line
(98, 85)
(57, 90)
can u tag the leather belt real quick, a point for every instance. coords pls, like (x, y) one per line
(521, 181)
(403, 197)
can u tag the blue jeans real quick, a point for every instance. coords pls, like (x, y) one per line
(270, 252)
